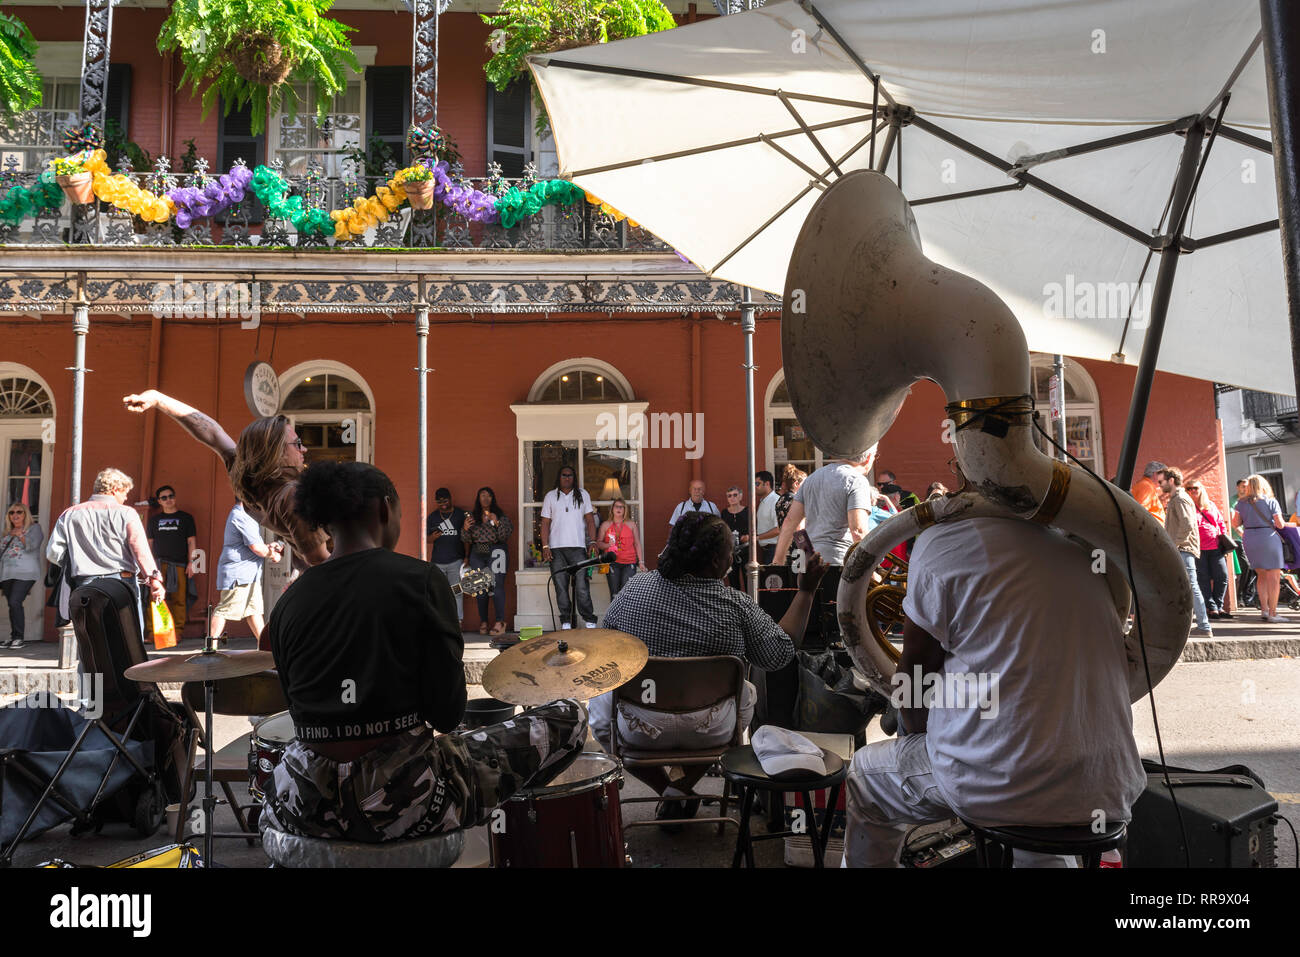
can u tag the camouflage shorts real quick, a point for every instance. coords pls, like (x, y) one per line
(422, 783)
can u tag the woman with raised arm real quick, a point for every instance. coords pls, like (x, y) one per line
(264, 468)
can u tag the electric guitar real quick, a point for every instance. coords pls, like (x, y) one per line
(473, 582)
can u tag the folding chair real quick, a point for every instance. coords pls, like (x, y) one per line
(682, 685)
(259, 694)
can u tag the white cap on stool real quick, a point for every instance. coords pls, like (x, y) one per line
(780, 751)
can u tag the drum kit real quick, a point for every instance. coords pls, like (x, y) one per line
(574, 821)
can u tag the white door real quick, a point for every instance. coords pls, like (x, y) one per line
(344, 436)
(24, 469)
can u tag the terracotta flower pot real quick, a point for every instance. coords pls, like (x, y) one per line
(78, 187)
(419, 194)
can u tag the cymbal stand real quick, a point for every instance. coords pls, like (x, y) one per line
(209, 801)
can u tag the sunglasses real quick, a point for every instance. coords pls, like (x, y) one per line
(165, 498)
(297, 444)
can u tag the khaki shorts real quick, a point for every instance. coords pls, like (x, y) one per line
(240, 602)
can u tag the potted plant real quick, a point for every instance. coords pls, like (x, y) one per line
(20, 83)
(254, 51)
(419, 187)
(72, 175)
(525, 27)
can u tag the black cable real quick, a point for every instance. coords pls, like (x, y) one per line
(1294, 840)
(1137, 624)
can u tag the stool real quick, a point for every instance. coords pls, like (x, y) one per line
(740, 767)
(294, 850)
(1077, 841)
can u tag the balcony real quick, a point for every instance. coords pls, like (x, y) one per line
(580, 227)
(1266, 409)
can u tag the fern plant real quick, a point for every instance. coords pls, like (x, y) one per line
(20, 83)
(252, 51)
(525, 27)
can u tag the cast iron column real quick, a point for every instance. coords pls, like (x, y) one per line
(747, 326)
(422, 336)
(94, 61)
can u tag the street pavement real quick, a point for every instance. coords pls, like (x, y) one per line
(1211, 714)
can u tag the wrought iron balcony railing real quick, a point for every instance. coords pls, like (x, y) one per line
(1265, 408)
(581, 226)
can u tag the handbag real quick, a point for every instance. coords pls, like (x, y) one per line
(1226, 545)
(1288, 552)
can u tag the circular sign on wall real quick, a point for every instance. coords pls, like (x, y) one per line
(262, 389)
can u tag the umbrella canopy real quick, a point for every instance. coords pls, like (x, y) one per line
(719, 137)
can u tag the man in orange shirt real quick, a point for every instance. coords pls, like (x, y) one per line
(1147, 491)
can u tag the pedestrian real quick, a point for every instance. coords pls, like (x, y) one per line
(766, 525)
(239, 574)
(902, 498)
(447, 549)
(487, 530)
(20, 567)
(1260, 518)
(1212, 566)
(620, 535)
(103, 537)
(695, 503)
(173, 538)
(936, 490)
(1147, 490)
(1182, 526)
(736, 515)
(568, 536)
(791, 478)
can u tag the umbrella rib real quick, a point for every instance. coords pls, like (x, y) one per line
(825, 24)
(1245, 139)
(695, 81)
(784, 209)
(713, 147)
(967, 194)
(794, 159)
(1123, 139)
(1191, 245)
(1069, 199)
(1232, 77)
(809, 133)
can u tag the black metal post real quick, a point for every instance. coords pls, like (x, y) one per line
(1281, 25)
(1182, 198)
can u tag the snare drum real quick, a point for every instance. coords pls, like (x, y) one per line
(265, 749)
(572, 822)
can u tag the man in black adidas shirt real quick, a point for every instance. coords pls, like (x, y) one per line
(369, 655)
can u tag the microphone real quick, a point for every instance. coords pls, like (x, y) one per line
(604, 558)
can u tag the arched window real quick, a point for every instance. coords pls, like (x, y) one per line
(332, 411)
(26, 456)
(580, 414)
(787, 443)
(1082, 410)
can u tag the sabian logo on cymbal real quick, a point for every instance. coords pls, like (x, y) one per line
(599, 676)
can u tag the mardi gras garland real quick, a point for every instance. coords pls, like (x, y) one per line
(19, 202)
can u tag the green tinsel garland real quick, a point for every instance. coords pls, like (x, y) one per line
(23, 201)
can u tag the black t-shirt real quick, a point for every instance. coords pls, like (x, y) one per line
(737, 522)
(368, 645)
(170, 536)
(448, 547)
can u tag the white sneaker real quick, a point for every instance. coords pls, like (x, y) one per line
(1276, 619)
(565, 627)
(592, 624)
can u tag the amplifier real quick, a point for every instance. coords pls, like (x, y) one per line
(950, 846)
(1228, 817)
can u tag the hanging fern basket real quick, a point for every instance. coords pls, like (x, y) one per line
(259, 59)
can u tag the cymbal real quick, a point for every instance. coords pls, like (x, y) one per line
(577, 664)
(202, 667)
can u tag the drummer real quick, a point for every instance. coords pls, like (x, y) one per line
(368, 649)
(685, 609)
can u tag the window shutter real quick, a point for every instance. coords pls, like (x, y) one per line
(117, 104)
(508, 117)
(388, 110)
(235, 140)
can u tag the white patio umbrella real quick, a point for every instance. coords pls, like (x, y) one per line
(1040, 143)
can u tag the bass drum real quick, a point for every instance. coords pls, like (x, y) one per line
(574, 821)
(265, 749)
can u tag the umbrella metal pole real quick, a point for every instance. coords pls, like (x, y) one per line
(209, 802)
(422, 337)
(80, 328)
(747, 325)
(1281, 27)
(1058, 408)
(1137, 412)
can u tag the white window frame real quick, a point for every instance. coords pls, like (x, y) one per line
(57, 61)
(365, 57)
(773, 412)
(28, 427)
(1083, 384)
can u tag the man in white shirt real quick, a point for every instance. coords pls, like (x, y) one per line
(766, 527)
(568, 534)
(695, 503)
(1007, 626)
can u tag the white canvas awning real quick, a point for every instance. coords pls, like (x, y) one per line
(666, 128)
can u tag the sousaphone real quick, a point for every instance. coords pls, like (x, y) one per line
(875, 316)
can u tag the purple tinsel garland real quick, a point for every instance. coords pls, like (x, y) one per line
(218, 195)
(474, 204)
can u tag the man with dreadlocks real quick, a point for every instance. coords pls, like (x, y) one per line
(568, 534)
(685, 609)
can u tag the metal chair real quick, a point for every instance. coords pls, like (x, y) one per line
(258, 694)
(682, 685)
(1073, 841)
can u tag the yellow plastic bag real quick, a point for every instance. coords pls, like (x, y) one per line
(164, 631)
